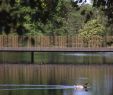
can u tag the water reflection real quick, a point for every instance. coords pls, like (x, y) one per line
(28, 79)
(101, 54)
(81, 92)
(33, 87)
(67, 90)
(58, 57)
(76, 92)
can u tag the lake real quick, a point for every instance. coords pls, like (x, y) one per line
(28, 79)
(73, 69)
(58, 57)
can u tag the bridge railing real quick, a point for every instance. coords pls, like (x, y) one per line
(55, 41)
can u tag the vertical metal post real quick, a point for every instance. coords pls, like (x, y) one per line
(32, 57)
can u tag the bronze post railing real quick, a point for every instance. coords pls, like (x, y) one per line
(59, 41)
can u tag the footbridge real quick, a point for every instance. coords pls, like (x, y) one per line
(56, 43)
(12, 43)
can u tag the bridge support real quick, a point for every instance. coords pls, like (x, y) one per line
(32, 57)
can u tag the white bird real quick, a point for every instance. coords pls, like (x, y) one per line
(81, 87)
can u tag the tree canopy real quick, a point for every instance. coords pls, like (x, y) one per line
(107, 7)
(52, 17)
(29, 16)
(93, 27)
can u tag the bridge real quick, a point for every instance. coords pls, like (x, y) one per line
(55, 43)
(53, 49)
(14, 43)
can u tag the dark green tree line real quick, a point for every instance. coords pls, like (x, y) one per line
(29, 16)
(52, 17)
(107, 7)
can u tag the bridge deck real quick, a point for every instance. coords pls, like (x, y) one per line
(56, 44)
(55, 49)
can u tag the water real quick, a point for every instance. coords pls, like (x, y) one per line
(54, 79)
(56, 73)
(58, 58)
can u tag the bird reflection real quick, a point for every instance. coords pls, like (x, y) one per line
(81, 92)
(76, 92)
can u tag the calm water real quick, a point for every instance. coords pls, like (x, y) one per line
(28, 79)
(71, 69)
(56, 57)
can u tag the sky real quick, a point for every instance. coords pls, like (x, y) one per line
(88, 1)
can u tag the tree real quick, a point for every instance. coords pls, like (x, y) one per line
(44, 17)
(30, 17)
(77, 17)
(92, 28)
(107, 7)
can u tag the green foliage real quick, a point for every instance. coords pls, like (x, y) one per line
(47, 17)
(33, 17)
(76, 19)
(92, 27)
(107, 7)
